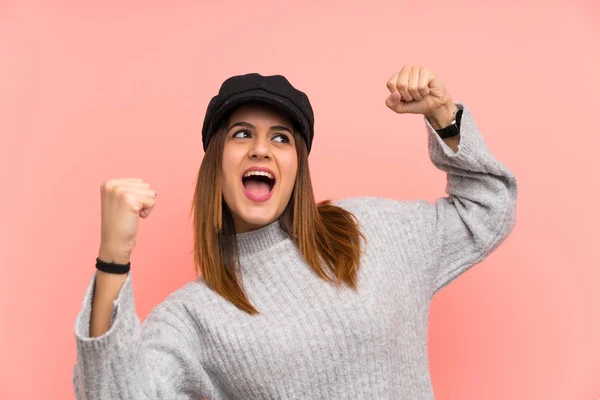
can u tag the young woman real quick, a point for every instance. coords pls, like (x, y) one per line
(296, 300)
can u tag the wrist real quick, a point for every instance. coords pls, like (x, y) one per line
(115, 255)
(444, 116)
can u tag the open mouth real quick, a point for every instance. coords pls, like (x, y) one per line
(258, 185)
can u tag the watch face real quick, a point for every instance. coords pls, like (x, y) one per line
(449, 131)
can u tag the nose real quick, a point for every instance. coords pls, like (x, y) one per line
(260, 148)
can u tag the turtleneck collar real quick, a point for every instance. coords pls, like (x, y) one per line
(260, 239)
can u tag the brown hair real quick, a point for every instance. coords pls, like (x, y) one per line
(323, 232)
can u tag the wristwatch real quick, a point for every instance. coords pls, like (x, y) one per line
(453, 129)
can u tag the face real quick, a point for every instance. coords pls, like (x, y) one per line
(259, 165)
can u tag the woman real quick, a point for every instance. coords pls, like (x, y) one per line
(296, 300)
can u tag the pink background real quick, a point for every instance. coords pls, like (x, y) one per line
(114, 89)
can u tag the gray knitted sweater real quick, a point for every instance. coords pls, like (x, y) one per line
(311, 340)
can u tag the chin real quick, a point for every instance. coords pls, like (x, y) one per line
(253, 217)
(259, 219)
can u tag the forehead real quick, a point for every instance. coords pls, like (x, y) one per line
(257, 112)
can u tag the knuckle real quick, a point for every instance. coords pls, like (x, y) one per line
(110, 184)
(119, 190)
(106, 187)
(128, 197)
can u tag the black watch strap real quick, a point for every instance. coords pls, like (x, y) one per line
(453, 129)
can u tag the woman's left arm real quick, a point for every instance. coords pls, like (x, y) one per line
(480, 211)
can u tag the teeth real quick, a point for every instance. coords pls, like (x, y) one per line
(263, 173)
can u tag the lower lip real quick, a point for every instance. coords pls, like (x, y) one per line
(258, 199)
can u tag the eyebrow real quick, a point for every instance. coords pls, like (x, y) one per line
(249, 125)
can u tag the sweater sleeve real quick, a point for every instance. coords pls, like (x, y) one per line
(459, 230)
(480, 211)
(154, 360)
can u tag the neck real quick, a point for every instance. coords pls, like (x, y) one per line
(260, 239)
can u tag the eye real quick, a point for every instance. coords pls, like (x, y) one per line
(241, 131)
(244, 134)
(284, 138)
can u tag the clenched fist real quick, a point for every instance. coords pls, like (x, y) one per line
(123, 202)
(416, 90)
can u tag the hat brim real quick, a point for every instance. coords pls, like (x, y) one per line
(261, 96)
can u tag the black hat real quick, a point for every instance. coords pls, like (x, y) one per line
(274, 90)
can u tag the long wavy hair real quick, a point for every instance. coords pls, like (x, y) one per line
(326, 235)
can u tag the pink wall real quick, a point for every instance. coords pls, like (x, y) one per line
(119, 89)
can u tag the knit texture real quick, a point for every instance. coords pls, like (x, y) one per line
(311, 340)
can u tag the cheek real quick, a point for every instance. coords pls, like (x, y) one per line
(229, 171)
(230, 181)
(289, 174)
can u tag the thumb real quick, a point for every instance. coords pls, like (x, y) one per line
(145, 212)
(145, 207)
(393, 99)
(395, 103)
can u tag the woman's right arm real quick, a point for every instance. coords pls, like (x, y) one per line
(117, 357)
(154, 360)
(106, 289)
